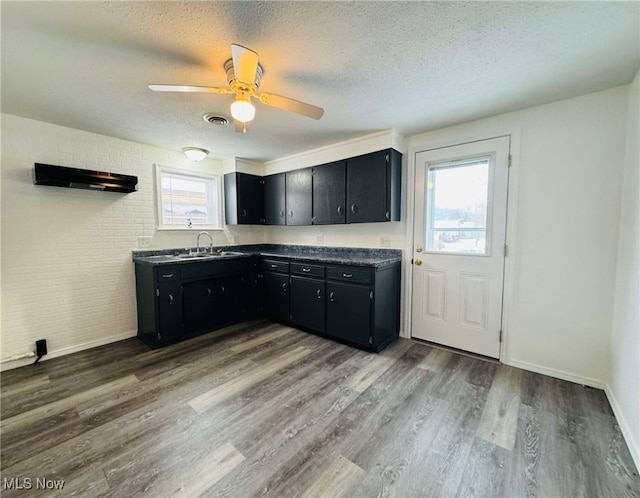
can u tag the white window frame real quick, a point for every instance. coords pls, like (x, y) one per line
(216, 202)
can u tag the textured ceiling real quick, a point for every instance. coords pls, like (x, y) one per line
(412, 66)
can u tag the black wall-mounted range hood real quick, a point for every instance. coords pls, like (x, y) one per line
(60, 176)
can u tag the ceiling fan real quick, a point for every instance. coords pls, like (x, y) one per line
(244, 74)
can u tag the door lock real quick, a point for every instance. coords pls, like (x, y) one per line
(419, 249)
(418, 262)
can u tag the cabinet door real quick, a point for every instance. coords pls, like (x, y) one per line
(307, 303)
(169, 297)
(199, 303)
(329, 193)
(367, 188)
(349, 312)
(277, 296)
(274, 199)
(250, 199)
(231, 299)
(298, 195)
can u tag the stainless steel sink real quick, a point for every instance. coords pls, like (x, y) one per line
(207, 255)
(196, 255)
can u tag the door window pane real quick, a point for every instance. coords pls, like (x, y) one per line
(457, 204)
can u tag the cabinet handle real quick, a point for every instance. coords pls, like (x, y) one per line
(281, 213)
(170, 298)
(167, 275)
(354, 208)
(387, 215)
(331, 296)
(340, 210)
(208, 292)
(274, 266)
(244, 213)
(221, 289)
(347, 275)
(284, 287)
(290, 214)
(319, 294)
(306, 270)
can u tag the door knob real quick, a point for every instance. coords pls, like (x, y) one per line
(419, 249)
(418, 262)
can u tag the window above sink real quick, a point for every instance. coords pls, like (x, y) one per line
(187, 200)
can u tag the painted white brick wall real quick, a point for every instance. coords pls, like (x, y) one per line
(67, 274)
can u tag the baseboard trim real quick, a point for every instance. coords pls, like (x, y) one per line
(558, 374)
(71, 349)
(632, 444)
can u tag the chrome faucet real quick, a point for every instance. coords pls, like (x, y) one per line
(198, 241)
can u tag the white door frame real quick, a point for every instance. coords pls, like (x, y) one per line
(510, 262)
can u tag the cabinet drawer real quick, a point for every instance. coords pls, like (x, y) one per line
(356, 275)
(307, 270)
(167, 274)
(275, 265)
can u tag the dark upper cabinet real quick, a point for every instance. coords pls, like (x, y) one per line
(373, 187)
(298, 192)
(329, 193)
(243, 199)
(274, 199)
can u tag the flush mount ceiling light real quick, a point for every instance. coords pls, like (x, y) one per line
(195, 153)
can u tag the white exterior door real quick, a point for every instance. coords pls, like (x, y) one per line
(459, 245)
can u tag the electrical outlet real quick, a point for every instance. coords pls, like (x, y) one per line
(144, 242)
(236, 239)
(385, 241)
(319, 239)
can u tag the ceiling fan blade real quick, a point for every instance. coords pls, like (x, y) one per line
(245, 64)
(187, 88)
(308, 110)
(240, 127)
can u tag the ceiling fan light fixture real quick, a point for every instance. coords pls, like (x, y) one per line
(242, 110)
(195, 153)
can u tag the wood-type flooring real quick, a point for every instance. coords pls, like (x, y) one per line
(259, 409)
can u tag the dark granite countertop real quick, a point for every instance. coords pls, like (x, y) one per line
(355, 256)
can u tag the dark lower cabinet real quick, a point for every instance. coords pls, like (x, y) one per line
(169, 312)
(358, 305)
(229, 307)
(277, 296)
(199, 305)
(174, 303)
(349, 312)
(308, 303)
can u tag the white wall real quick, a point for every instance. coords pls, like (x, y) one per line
(67, 274)
(562, 262)
(624, 371)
